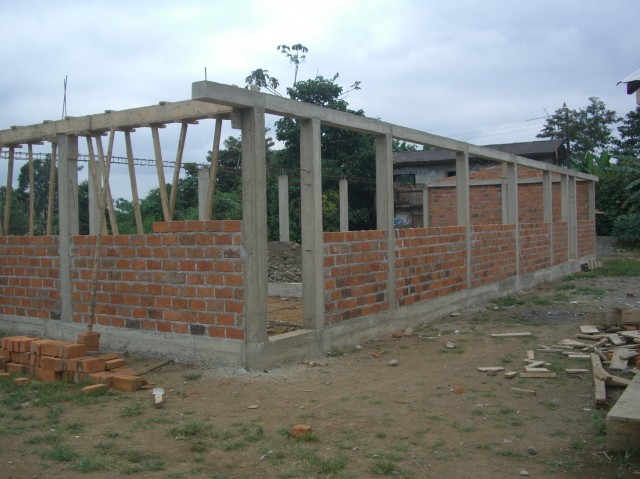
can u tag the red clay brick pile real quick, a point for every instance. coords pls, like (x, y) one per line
(51, 360)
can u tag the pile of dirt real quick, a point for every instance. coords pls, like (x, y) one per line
(285, 262)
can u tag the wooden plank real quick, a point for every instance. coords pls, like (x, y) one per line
(484, 369)
(153, 366)
(7, 197)
(591, 337)
(211, 186)
(616, 339)
(619, 360)
(176, 169)
(577, 356)
(52, 186)
(599, 375)
(572, 343)
(530, 369)
(105, 170)
(509, 335)
(538, 375)
(549, 350)
(576, 371)
(162, 184)
(523, 391)
(531, 354)
(630, 316)
(630, 334)
(589, 329)
(535, 364)
(596, 345)
(134, 184)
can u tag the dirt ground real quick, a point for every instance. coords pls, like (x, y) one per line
(431, 416)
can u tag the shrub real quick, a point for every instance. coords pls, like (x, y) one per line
(626, 229)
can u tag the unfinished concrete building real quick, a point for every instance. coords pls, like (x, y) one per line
(198, 290)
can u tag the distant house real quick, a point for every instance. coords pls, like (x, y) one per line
(412, 170)
(633, 85)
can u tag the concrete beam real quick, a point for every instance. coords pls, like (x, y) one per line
(166, 112)
(462, 205)
(573, 218)
(203, 189)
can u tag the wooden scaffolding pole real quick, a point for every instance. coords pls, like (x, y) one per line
(134, 184)
(160, 170)
(32, 203)
(52, 186)
(7, 199)
(1, 227)
(100, 193)
(176, 170)
(213, 169)
(105, 170)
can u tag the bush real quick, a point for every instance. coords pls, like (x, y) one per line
(626, 229)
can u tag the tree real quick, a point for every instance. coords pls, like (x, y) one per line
(629, 142)
(589, 129)
(296, 55)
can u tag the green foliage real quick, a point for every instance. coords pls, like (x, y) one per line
(589, 128)
(629, 142)
(626, 229)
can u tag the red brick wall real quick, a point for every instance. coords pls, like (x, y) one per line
(586, 238)
(29, 276)
(556, 205)
(442, 206)
(493, 253)
(560, 245)
(582, 200)
(535, 242)
(430, 262)
(530, 203)
(186, 278)
(356, 274)
(485, 204)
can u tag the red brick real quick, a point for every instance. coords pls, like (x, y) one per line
(4, 375)
(114, 363)
(72, 351)
(47, 375)
(127, 371)
(300, 430)
(52, 364)
(109, 356)
(90, 365)
(124, 382)
(51, 348)
(104, 377)
(15, 368)
(21, 381)
(94, 389)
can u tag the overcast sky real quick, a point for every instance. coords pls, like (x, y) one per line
(479, 71)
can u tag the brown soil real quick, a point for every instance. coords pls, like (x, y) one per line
(368, 419)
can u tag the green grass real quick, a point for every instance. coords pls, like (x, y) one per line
(627, 267)
(192, 376)
(190, 429)
(332, 465)
(508, 302)
(91, 464)
(60, 453)
(134, 409)
(385, 467)
(562, 464)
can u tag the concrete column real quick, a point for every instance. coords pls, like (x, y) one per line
(425, 206)
(573, 217)
(462, 204)
(512, 205)
(385, 207)
(591, 200)
(203, 189)
(67, 215)
(311, 223)
(283, 207)
(547, 207)
(254, 229)
(94, 211)
(344, 204)
(564, 198)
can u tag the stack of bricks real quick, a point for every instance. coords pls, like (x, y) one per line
(50, 360)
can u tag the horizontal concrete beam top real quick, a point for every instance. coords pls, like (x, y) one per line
(165, 112)
(237, 97)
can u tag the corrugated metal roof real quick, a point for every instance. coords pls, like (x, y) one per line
(529, 149)
(632, 81)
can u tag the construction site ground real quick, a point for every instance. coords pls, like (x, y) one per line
(431, 415)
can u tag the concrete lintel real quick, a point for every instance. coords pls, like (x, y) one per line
(168, 112)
